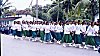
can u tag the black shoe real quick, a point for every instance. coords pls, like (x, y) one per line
(52, 40)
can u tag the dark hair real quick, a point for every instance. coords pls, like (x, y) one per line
(78, 21)
(95, 23)
(14, 22)
(83, 22)
(92, 23)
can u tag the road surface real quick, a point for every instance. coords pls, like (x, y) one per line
(13, 47)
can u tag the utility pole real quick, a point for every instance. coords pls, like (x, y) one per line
(58, 12)
(36, 10)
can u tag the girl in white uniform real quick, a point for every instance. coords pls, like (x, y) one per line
(28, 28)
(67, 39)
(90, 36)
(97, 37)
(83, 32)
(58, 35)
(19, 31)
(33, 27)
(14, 28)
(78, 39)
(72, 25)
(24, 26)
(47, 37)
(42, 31)
(38, 29)
(52, 30)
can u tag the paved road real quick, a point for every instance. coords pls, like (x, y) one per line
(13, 47)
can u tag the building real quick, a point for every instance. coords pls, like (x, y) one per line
(8, 20)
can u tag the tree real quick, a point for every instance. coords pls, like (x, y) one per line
(3, 7)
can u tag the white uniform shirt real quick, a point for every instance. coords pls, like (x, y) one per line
(47, 28)
(77, 29)
(24, 26)
(90, 31)
(72, 27)
(19, 27)
(61, 30)
(67, 29)
(38, 26)
(29, 26)
(52, 27)
(96, 29)
(14, 27)
(42, 27)
(33, 27)
(83, 28)
(58, 28)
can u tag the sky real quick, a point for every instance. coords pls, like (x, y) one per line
(22, 4)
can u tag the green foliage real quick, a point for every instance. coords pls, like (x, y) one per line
(4, 7)
(70, 9)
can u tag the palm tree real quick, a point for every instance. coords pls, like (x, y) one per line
(3, 7)
(79, 10)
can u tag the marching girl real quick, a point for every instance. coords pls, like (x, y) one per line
(72, 25)
(97, 37)
(58, 30)
(14, 28)
(62, 31)
(24, 25)
(47, 37)
(8, 29)
(29, 32)
(52, 31)
(28, 28)
(33, 28)
(3, 29)
(42, 33)
(78, 39)
(83, 32)
(19, 30)
(67, 36)
(90, 36)
(38, 27)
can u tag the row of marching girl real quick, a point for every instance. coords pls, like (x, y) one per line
(81, 35)
(69, 33)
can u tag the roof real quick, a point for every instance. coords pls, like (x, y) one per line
(27, 18)
(9, 18)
